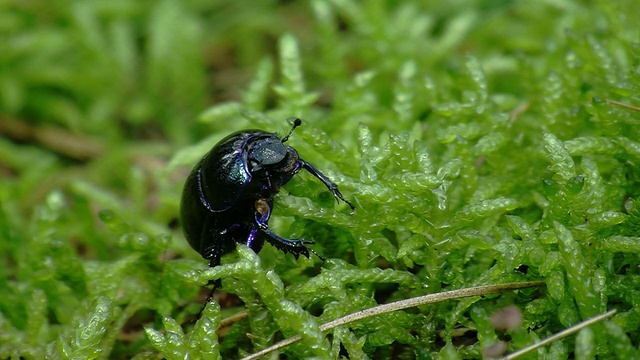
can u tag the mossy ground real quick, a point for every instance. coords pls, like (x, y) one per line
(482, 142)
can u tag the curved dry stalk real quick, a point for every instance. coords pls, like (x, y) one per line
(56, 139)
(230, 320)
(564, 333)
(402, 304)
(623, 105)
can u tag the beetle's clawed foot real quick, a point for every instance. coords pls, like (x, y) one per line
(316, 254)
(297, 251)
(293, 246)
(296, 247)
(338, 195)
(353, 208)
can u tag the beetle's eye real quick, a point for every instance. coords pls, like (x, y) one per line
(289, 163)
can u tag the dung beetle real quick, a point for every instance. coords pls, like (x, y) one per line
(228, 196)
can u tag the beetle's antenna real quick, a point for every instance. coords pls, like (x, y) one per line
(296, 122)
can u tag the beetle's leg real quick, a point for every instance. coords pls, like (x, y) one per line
(293, 246)
(328, 183)
(254, 241)
(215, 284)
(213, 254)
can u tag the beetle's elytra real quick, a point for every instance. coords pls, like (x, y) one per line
(228, 196)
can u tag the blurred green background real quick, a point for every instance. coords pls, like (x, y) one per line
(481, 140)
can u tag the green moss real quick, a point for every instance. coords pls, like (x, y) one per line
(482, 142)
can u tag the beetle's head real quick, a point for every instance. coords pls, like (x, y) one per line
(270, 153)
(265, 152)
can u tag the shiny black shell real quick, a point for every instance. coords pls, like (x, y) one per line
(228, 196)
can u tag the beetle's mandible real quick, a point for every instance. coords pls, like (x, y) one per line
(228, 196)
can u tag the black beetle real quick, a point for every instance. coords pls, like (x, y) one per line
(228, 196)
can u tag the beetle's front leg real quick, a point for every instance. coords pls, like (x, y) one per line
(294, 246)
(326, 181)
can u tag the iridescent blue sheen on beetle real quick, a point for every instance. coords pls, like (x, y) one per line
(228, 196)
